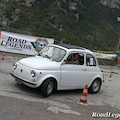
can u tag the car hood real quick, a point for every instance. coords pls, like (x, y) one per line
(39, 63)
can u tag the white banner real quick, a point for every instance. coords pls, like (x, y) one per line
(118, 18)
(105, 56)
(23, 44)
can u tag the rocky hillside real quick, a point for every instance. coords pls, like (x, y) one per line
(111, 3)
(87, 23)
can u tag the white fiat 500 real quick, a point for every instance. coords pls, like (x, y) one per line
(59, 67)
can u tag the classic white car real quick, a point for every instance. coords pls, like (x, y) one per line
(59, 67)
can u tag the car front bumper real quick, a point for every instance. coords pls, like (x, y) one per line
(23, 81)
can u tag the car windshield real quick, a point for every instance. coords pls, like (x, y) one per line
(53, 53)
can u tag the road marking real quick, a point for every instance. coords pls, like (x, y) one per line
(58, 109)
(56, 106)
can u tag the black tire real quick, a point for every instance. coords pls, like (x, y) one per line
(95, 86)
(47, 87)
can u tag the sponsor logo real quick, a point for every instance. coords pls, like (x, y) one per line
(39, 44)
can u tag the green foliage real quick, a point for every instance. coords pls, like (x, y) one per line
(95, 28)
(107, 62)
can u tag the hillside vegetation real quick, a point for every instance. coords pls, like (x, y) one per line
(86, 23)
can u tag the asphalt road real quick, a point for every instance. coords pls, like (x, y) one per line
(23, 103)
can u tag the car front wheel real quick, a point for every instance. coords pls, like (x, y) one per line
(47, 88)
(95, 86)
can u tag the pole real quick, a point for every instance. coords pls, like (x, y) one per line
(118, 19)
(118, 44)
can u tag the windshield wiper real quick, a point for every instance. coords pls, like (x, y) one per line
(40, 54)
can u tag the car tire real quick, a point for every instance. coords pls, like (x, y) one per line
(47, 87)
(95, 86)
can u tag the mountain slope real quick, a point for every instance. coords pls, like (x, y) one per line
(111, 3)
(86, 23)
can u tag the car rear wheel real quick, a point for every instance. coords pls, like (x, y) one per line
(47, 88)
(95, 86)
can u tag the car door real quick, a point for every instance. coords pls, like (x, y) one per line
(73, 74)
(92, 68)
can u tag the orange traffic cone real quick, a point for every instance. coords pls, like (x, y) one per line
(3, 55)
(83, 98)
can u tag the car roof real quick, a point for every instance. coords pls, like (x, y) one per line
(73, 48)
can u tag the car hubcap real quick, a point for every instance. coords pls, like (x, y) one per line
(96, 85)
(50, 87)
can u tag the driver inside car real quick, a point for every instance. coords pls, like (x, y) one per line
(73, 59)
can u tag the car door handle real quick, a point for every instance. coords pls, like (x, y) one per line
(84, 69)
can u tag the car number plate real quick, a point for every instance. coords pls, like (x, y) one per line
(18, 81)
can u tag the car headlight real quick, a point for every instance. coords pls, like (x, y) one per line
(14, 66)
(33, 73)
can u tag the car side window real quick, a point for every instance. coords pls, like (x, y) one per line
(75, 58)
(90, 60)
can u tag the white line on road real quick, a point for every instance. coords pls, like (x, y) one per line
(58, 109)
